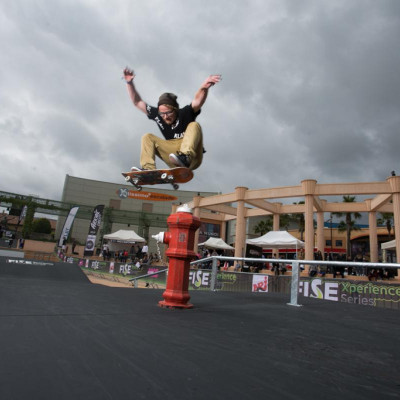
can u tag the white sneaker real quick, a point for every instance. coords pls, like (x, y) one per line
(180, 159)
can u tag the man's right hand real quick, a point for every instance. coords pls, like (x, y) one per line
(129, 75)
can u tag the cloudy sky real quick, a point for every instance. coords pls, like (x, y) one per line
(311, 89)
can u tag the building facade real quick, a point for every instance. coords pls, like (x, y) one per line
(145, 212)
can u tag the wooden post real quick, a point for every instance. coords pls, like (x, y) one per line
(240, 239)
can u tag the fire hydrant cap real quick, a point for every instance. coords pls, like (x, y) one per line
(159, 237)
(184, 208)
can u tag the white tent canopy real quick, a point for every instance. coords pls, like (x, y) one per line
(389, 245)
(277, 240)
(216, 243)
(124, 237)
(122, 240)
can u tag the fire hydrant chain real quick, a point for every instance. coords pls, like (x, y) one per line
(159, 252)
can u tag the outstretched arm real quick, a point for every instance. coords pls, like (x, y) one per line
(133, 94)
(201, 95)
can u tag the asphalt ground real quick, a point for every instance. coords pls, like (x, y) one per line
(65, 338)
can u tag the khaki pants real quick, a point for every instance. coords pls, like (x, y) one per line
(191, 143)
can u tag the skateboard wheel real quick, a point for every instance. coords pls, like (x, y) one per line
(164, 175)
(127, 179)
(175, 186)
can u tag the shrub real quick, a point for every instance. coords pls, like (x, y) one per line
(41, 225)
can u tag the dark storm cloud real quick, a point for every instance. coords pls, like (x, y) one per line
(310, 89)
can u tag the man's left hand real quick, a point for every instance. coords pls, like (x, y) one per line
(211, 81)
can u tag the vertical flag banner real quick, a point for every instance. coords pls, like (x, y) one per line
(23, 214)
(93, 229)
(67, 225)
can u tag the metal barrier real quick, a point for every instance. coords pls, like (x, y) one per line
(294, 287)
(42, 256)
(134, 280)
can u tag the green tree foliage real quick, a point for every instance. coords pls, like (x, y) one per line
(349, 224)
(41, 225)
(284, 221)
(28, 221)
(264, 226)
(386, 219)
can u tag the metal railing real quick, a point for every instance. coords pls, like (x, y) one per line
(136, 278)
(294, 286)
(42, 256)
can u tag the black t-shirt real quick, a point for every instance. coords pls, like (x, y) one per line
(186, 115)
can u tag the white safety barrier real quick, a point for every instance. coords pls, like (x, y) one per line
(294, 287)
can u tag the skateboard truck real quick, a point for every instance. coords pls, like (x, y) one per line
(169, 177)
(135, 181)
(172, 176)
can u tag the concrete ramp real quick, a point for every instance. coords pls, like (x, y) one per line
(11, 253)
(12, 267)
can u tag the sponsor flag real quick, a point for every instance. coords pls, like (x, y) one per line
(23, 214)
(260, 283)
(93, 229)
(67, 225)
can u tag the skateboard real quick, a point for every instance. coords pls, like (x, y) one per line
(159, 176)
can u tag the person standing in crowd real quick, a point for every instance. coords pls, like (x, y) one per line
(145, 250)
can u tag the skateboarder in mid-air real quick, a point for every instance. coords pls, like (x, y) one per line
(183, 143)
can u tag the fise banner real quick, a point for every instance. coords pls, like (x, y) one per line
(67, 225)
(95, 223)
(376, 294)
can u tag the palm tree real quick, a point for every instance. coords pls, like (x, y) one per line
(386, 219)
(348, 225)
(264, 227)
(284, 221)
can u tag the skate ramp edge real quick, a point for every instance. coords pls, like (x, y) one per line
(42, 270)
(11, 253)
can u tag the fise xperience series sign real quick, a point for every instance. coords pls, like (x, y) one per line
(374, 294)
(124, 193)
(228, 281)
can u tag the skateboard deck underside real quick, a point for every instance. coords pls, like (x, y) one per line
(159, 176)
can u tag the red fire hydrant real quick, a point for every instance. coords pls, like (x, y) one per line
(180, 238)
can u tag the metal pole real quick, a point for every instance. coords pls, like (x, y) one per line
(294, 291)
(214, 274)
(331, 258)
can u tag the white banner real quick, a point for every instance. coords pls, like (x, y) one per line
(67, 225)
(23, 214)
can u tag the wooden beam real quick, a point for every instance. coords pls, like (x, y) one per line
(386, 208)
(263, 205)
(343, 189)
(318, 204)
(346, 207)
(380, 201)
(256, 212)
(218, 199)
(212, 216)
(222, 208)
(275, 193)
(292, 209)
